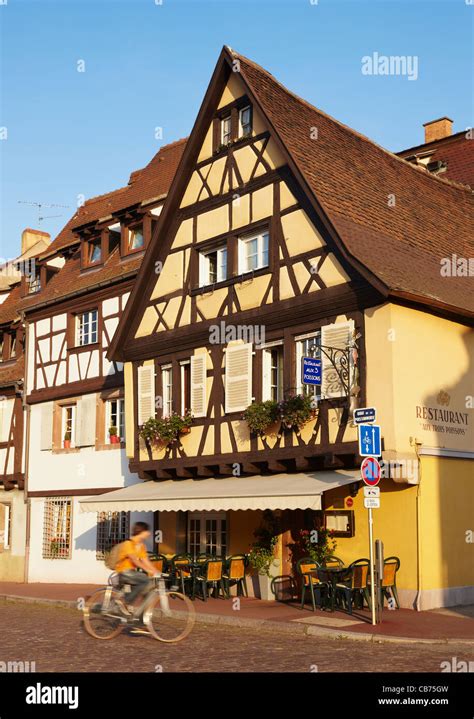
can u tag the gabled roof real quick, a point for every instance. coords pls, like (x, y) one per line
(392, 221)
(456, 151)
(150, 182)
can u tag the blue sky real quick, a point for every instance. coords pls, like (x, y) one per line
(148, 65)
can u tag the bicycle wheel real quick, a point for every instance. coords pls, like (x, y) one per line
(169, 617)
(102, 614)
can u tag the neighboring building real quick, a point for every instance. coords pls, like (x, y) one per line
(12, 412)
(308, 239)
(75, 394)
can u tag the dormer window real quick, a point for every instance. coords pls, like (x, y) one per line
(245, 121)
(136, 239)
(33, 283)
(226, 130)
(95, 252)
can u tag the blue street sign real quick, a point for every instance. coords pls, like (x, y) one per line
(364, 414)
(311, 370)
(369, 440)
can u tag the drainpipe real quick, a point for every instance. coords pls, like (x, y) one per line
(416, 445)
(26, 410)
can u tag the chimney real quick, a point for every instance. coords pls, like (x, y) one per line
(437, 129)
(30, 238)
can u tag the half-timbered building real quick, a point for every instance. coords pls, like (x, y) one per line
(12, 406)
(287, 235)
(76, 428)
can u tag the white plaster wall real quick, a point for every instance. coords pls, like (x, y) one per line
(82, 567)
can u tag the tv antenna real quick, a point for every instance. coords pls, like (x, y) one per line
(40, 205)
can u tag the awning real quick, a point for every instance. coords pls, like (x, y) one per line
(279, 491)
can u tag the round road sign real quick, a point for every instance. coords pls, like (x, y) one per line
(370, 471)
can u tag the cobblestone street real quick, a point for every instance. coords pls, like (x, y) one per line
(55, 640)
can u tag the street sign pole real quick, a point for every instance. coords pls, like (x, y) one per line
(371, 558)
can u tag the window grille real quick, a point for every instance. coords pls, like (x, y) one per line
(57, 528)
(112, 528)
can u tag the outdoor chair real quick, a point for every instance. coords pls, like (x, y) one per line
(353, 586)
(160, 562)
(234, 574)
(388, 586)
(318, 590)
(180, 568)
(211, 574)
(332, 561)
(284, 588)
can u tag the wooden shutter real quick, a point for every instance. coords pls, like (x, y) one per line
(337, 335)
(238, 377)
(46, 439)
(198, 385)
(146, 393)
(86, 421)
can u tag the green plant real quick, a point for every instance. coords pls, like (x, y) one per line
(261, 554)
(113, 431)
(167, 429)
(317, 543)
(297, 410)
(261, 415)
(67, 436)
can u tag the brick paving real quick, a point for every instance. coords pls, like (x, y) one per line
(53, 638)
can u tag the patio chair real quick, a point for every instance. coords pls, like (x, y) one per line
(181, 570)
(306, 568)
(353, 586)
(284, 588)
(211, 574)
(388, 585)
(234, 574)
(160, 562)
(332, 561)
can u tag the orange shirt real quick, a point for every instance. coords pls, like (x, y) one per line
(129, 547)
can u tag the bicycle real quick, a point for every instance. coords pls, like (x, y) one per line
(167, 616)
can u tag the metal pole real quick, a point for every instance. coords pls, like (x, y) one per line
(371, 557)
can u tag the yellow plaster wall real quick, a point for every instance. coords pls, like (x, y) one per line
(212, 223)
(300, 234)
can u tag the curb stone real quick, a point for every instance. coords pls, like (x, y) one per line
(265, 625)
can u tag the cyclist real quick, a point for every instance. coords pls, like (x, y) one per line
(133, 556)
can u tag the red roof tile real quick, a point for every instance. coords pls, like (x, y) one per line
(456, 151)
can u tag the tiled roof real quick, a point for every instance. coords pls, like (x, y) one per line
(149, 182)
(12, 371)
(354, 180)
(9, 309)
(456, 151)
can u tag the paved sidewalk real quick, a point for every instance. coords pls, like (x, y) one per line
(454, 625)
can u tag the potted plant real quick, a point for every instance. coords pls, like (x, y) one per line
(260, 415)
(262, 556)
(296, 411)
(166, 430)
(114, 438)
(318, 543)
(67, 440)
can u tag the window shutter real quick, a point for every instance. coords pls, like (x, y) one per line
(238, 377)
(198, 385)
(46, 439)
(146, 393)
(86, 421)
(266, 376)
(337, 335)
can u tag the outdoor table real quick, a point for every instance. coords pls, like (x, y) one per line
(333, 575)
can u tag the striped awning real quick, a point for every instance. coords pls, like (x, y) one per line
(279, 491)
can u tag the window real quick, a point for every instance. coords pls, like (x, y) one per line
(13, 344)
(57, 528)
(69, 423)
(273, 374)
(245, 121)
(226, 130)
(307, 346)
(2, 345)
(33, 282)
(87, 328)
(5, 526)
(185, 370)
(135, 238)
(115, 417)
(94, 252)
(213, 266)
(167, 380)
(112, 528)
(253, 252)
(207, 533)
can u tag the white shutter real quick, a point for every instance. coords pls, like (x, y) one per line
(198, 385)
(238, 377)
(46, 439)
(336, 335)
(146, 393)
(3, 420)
(86, 421)
(267, 374)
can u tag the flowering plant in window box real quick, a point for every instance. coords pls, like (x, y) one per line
(296, 411)
(114, 438)
(67, 440)
(260, 415)
(166, 430)
(58, 547)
